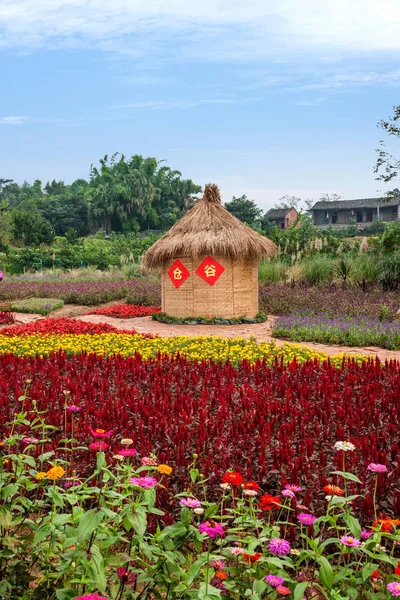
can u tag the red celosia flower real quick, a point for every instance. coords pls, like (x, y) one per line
(233, 478)
(333, 490)
(126, 311)
(251, 485)
(251, 558)
(268, 502)
(100, 433)
(63, 326)
(386, 525)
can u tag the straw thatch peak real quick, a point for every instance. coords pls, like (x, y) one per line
(208, 229)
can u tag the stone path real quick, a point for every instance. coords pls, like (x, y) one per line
(260, 331)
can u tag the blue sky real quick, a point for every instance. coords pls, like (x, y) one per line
(263, 99)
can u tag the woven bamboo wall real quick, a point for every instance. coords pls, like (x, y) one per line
(235, 294)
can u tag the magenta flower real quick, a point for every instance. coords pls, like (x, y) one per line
(274, 580)
(190, 502)
(144, 482)
(100, 433)
(377, 468)
(350, 541)
(218, 565)
(288, 494)
(306, 519)
(126, 577)
(98, 446)
(366, 534)
(279, 547)
(69, 484)
(211, 529)
(72, 408)
(29, 440)
(394, 588)
(293, 487)
(127, 452)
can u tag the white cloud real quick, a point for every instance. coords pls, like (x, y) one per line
(210, 29)
(13, 120)
(165, 105)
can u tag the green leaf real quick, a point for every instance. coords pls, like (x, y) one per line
(65, 594)
(345, 475)
(97, 568)
(101, 460)
(368, 570)
(138, 521)
(208, 592)
(89, 522)
(8, 490)
(260, 586)
(42, 532)
(325, 572)
(299, 590)
(194, 473)
(194, 570)
(353, 524)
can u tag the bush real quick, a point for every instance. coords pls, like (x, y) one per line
(40, 306)
(390, 272)
(273, 270)
(319, 270)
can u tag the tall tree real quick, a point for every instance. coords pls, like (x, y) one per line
(244, 209)
(387, 166)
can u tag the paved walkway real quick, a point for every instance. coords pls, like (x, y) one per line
(260, 331)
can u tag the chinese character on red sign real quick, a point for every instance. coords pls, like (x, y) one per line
(178, 273)
(210, 270)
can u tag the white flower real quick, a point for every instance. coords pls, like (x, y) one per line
(328, 498)
(118, 457)
(224, 486)
(381, 548)
(198, 511)
(250, 492)
(344, 446)
(127, 442)
(295, 551)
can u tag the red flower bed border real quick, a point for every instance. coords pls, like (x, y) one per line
(63, 326)
(274, 425)
(126, 311)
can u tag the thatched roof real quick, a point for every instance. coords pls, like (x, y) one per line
(208, 228)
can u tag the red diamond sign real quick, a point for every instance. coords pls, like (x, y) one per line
(210, 270)
(178, 273)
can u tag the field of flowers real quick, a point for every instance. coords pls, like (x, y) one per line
(126, 311)
(350, 331)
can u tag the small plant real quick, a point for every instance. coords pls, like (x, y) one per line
(164, 318)
(40, 306)
(6, 318)
(344, 268)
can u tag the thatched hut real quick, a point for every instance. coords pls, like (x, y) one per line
(209, 262)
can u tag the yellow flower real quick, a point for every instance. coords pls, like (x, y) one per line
(55, 473)
(41, 475)
(164, 469)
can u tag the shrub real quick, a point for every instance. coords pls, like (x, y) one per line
(319, 270)
(40, 306)
(390, 272)
(6, 318)
(273, 270)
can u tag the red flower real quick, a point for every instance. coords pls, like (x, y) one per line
(268, 502)
(233, 478)
(397, 569)
(221, 575)
(386, 525)
(251, 485)
(333, 490)
(100, 433)
(375, 574)
(251, 558)
(98, 446)
(126, 311)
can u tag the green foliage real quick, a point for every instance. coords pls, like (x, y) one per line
(390, 272)
(391, 238)
(40, 306)
(164, 318)
(244, 209)
(319, 270)
(272, 270)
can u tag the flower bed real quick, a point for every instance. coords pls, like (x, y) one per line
(196, 348)
(40, 306)
(350, 332)
(276, 425)
(62, 327)
(6, 318)
(164, 318)
(126, 311)
(333, 300)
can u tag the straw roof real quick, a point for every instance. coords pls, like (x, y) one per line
(208, 228)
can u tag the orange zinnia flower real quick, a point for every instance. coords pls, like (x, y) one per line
(386, 525)
(221, 575)
(333, 490)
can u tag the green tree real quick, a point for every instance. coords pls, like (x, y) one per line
(244, 209)
(29, 227)
(387, 166)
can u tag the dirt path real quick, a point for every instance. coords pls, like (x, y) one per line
(260, 331)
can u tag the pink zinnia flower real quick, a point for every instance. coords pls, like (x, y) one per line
(100, 433)
(274, 580)
(366, 534)
(69, 484)
(29, 440)
(306, 519)
(190, 502)
(127, 452)
(350, 541)
(147, 461)
(236, 551)
(91, 597)
(279, 547)
(72, 408)
(143, 482)
(293, 487)
(377, 468)
(288, 494)
(98, 446)
(283, 590)
(218, 565)
(394, 588)
(211, 529)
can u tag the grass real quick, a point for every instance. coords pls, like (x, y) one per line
(40, 306)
